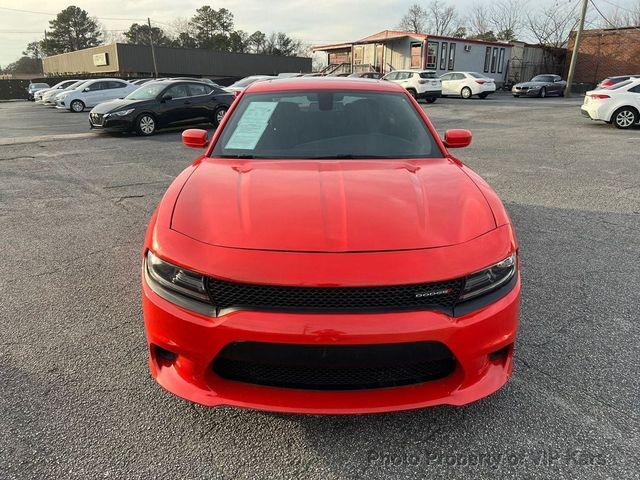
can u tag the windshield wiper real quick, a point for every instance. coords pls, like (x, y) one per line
(345, 156)
(245, 156)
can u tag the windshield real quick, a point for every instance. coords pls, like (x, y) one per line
(75, 85)
(542, 78)
(245, 82)
(619, 85)
(148, 91)
(428, 75)
(326, 124)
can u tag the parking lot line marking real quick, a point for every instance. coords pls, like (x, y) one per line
(44, 138)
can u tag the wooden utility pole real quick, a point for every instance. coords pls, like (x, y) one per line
(576, 47)
(153, 50)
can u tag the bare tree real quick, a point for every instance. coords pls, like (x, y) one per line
(508, 16)
(415, 20)
(621, 17)
(479, 19)
(552, 25)
(442, 19)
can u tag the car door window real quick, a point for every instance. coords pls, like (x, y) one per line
(178, 91)
(392, 76)
(635, 89)
(117, 85)
(95, 86)
(446, 77)
(199, 89)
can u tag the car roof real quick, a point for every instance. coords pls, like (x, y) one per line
(323, 83)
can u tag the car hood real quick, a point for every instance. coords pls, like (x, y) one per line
(118, 104)
(331, 206)
(532, 84)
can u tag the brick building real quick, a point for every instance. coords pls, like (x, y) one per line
(606, 52)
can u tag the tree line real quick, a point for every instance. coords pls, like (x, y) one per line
(509, 20)
(74, 29)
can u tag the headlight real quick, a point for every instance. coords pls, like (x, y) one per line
(489, 279)
(177, 279)
(122, 113)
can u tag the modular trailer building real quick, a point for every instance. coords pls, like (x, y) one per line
(395, 50)
(121, 59)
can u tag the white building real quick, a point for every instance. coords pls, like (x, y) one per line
(394, 50)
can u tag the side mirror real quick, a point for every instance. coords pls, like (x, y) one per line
(166, 98)
(86, 89)
(195, 138)
(457, 138)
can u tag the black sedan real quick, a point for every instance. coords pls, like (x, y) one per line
(540, 86)
(161, 104)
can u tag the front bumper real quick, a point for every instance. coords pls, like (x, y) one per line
(525, 92)
(109, 123)
(197, 339)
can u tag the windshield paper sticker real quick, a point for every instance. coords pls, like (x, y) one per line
(251, 126)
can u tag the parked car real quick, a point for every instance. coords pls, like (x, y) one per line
(467, 84)
(35, 87)
(161, 104)
(326, 254)
(141, 81)
(48, 97)
(611, 81)
(93, 92)
(240, 85)
(374, 75)
(618, 105)
(540, 86)
(420, 84)
(58, 87)
(197, 79)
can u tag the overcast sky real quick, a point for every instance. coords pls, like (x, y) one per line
(314, 22)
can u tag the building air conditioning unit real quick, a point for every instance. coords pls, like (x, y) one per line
(467, 48)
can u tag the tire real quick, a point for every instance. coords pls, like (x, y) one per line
(413, 93)
(561, 94)
(430, 99)
(543, 92)
(76, 106)
(218, 115)
(466, 93)
(145, 125)
(625, 117)
(515, 96)
(483, 95)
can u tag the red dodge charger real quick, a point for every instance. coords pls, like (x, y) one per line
(327, 254)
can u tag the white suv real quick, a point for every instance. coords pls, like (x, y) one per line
(91, 93)
(419, 83)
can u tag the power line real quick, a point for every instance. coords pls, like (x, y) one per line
(607, 20)
(619, 7)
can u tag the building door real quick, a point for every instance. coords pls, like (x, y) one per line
(380, 57)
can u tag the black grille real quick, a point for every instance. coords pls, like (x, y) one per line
(419, 296)
(334, 367)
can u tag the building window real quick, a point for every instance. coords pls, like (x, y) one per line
(443, 56)
(452, 55)
(487, 59)
(432, 55)
(494, 59)
(416, 54)
(500, 60)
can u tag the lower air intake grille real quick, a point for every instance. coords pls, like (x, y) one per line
(417, 296)
(334, 367)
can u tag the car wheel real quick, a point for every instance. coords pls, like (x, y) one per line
(543, 92)
(76, 106)
(431, 99)
(484, 95)
(413, 93)
(218, 115)
(625, 117)
(145, 124)
(466, 93)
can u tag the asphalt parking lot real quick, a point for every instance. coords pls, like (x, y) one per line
(76, 398)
